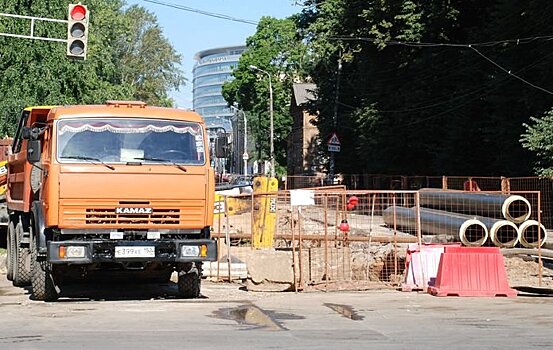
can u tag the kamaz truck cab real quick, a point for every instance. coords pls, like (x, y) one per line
(115, 187)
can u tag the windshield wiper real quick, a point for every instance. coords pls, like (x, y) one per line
(91, 159)
(161, 160)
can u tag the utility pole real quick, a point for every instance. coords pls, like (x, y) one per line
(271, 127)
(335, 118)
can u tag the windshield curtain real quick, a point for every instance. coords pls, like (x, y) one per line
(130, 140)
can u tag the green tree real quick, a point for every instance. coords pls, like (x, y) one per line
(428, 109)
(148, 61)
(35, 72)
(276, 48)
(538, 138)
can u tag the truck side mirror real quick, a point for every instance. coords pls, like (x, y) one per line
(32, 133)
(221, 145)
(33, 151)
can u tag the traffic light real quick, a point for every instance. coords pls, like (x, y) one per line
(77, 31)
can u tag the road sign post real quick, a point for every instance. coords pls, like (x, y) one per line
(334, 143)
(334, 146)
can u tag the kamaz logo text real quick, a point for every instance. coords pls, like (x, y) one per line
(127, 210)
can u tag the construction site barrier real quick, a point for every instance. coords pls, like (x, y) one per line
(471, 272)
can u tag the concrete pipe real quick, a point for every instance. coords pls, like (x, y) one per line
(530, 234)
(504, 234)
(470, 231)
(514, 208)
(473, 233)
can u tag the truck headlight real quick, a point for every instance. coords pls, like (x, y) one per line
(72, 252)
(190, 250)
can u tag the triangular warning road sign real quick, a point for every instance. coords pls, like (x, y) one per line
(334, 140)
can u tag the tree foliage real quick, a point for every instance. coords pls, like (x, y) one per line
(148, 61)
(429, 109)
(118, 64)
(403, 107)
(539, 139)
(277, 49)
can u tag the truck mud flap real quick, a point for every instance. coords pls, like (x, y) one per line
(39, 227)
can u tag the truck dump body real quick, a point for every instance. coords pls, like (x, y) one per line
(118, 183)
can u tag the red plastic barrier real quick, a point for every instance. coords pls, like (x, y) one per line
(473, 250)
(472, 272)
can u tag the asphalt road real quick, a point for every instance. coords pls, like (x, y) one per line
(146, 316)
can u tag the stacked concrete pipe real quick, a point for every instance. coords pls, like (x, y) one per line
(502, 233)
(471, 232)
(530, 235)
(514, 208)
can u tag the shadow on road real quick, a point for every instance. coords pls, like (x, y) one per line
(117, 288)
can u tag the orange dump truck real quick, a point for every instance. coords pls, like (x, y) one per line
(102, 189)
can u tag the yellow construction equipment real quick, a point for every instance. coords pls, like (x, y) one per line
(3, 176)
(229, 202)
(264, 211)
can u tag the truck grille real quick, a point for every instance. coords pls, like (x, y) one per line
(96, 216)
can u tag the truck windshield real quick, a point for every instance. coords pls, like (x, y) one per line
(130, 141)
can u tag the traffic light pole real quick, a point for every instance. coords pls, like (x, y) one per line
(32, 27)
(77, 29)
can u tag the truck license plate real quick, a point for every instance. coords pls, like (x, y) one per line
(135, 252)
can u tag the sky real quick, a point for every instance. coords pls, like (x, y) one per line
(192, 32)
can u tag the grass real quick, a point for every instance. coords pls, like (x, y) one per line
(2, 251)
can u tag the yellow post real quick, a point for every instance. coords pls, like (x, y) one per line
(219, 209)
(264, 211)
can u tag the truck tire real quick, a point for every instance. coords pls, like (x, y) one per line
(42, 281)
(10, 249)
(189, 284)
(21, 262)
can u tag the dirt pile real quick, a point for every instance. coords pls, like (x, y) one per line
(525, 272)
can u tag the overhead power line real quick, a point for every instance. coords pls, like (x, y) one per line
(488, 87)
(202, 12)
(469, 46)
(511, 74)
(518, 41)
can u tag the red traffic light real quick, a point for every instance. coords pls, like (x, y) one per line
(77, 30)
(78, 12)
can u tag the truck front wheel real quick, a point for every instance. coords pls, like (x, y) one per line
(20, 262)
(42, 280)
(189, 283)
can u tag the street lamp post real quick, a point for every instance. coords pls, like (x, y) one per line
(271, 127)
(245, 155)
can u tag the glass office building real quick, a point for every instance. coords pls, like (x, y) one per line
(212, 69)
